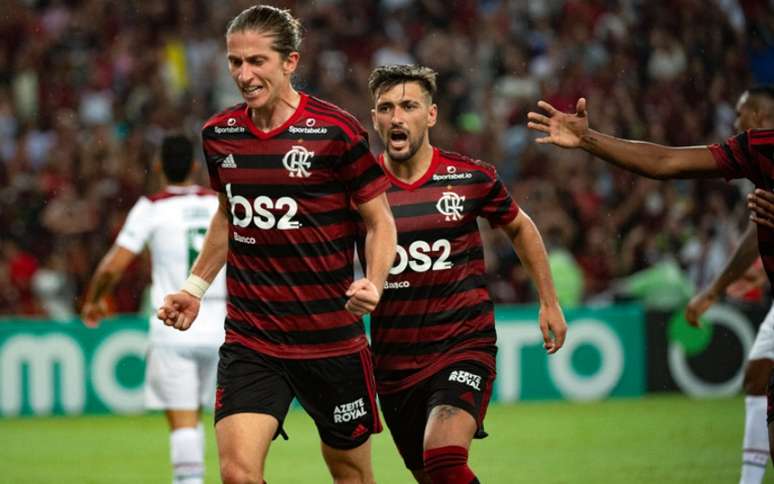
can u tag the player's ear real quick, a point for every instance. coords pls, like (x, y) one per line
(290, 63)
(373, 120)
(432, 115)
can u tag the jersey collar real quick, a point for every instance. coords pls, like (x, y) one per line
(264, 135)
(420, 181)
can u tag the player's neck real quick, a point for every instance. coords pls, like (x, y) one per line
(414, 168)
(274, 115)
(186, 183)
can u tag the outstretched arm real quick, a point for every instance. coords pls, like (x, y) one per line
(647, 159)
(381, 237)
(744, 255)
(109, 271)
(181, 308)
(528, 244)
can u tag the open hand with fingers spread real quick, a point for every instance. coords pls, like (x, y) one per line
(563, 129)
(761, 204)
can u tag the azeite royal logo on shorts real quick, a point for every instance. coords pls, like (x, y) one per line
(467, 378)
(347, 412)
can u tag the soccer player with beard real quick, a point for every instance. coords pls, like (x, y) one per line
(755, 109)
(433, 332)
(289, 168)
(749, 154)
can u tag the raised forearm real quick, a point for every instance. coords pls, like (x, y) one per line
(651, 159)
(380, 240)
(380, 254)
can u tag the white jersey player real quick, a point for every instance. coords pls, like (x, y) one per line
(181, 366)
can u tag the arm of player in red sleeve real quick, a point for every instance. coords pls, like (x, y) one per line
(181, 308)
(741, 260)
(109, 271)
(648, 159)
(528, 244)
(380, 241)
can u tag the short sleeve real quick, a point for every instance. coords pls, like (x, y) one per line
(137, 228)
(361, 173)
(498, 208)
(736, 159)
(211, 158)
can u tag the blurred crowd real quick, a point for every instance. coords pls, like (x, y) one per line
(89, 87)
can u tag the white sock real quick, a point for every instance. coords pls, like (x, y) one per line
(186, 447)
(200, 435)
(755, 447)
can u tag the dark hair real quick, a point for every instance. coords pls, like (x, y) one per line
(386, 77)
(274, 21)
(176, 157)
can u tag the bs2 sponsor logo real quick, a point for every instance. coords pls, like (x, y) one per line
(258, 211)
(418, 259)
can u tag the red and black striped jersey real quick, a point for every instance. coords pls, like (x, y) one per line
(435, 309)
(751, 155)
(292, 228)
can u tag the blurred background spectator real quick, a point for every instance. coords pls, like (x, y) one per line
(88, 87)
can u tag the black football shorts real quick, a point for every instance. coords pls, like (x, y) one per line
(466, 385)
(337, 392)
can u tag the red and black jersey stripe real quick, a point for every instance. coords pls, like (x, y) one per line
(436, 309)
(750, 155)
(292, 228)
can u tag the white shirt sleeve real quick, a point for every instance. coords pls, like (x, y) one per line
(138, 226)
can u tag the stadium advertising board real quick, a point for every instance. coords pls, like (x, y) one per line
(66, 369)
(603, 356)
(704, 362)
(60, 368)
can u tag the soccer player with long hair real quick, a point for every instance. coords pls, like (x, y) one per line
(295, 176)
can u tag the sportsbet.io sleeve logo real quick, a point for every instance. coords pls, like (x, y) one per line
(298, 161)
(450, 205)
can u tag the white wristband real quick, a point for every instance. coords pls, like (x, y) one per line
(195, 286)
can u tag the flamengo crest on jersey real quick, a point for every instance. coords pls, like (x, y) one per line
(292, 227)
(435, 309)
(298, 161)
(450, 204)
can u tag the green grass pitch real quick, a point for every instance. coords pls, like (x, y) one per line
(670, 439)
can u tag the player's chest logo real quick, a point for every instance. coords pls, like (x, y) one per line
(450, 205)
(298, 161)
